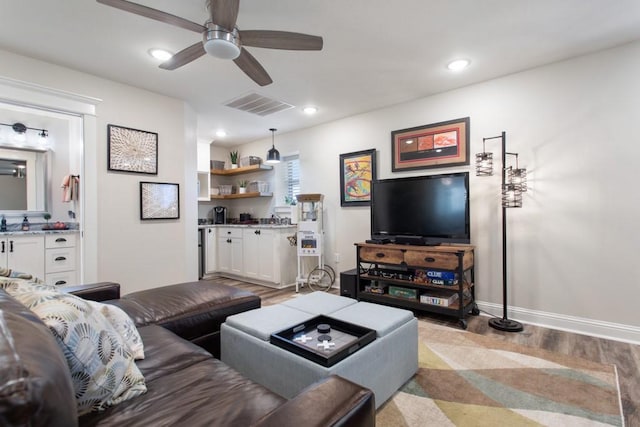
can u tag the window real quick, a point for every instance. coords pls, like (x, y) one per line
(292, 176)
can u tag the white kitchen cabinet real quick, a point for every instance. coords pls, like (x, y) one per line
(268, 256)
(23, 253)
(259, 247)
(204, 155)
(230, 247)
(211, 252)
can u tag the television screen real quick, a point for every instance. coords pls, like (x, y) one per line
(433, 208)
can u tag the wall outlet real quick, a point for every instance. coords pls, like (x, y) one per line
(336, 257)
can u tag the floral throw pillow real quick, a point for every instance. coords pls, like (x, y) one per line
(124, 325)
(15, 282)
(102, 365)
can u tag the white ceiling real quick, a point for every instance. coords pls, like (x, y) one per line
(376, 52)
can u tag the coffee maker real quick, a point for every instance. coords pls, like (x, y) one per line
(219, 215)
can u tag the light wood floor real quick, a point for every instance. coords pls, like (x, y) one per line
(625, 356)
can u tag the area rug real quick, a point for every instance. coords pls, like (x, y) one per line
(466, 379)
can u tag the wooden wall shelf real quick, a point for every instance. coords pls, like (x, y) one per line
(238, 171)
(241, 196)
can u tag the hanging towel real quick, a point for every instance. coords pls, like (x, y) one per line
(70, 187)
(66, 189)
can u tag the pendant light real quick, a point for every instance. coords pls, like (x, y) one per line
(273, 156)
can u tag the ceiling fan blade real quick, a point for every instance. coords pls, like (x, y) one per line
(252, 68)
(280, 40)
(224, 12)
(183, 57)
(158, 15)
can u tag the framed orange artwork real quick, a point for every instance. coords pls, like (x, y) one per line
(436, 145)
(357, 170)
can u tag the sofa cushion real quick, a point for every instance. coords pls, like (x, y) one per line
(208, 393)
(102, 366)
(35, 387)
(193, 310)
(167, 353)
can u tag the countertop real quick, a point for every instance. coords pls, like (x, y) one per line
(201, 226)
(36, 232)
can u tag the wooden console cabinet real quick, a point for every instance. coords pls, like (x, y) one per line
(438, 279)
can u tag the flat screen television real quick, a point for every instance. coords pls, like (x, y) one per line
(430, 209)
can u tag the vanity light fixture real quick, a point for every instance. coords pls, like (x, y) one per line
(273, 156)
(21, 129)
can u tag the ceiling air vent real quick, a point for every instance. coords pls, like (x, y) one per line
(258, 104)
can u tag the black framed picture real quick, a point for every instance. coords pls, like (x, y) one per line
(132, 150)
(357, 170)
(159, 200)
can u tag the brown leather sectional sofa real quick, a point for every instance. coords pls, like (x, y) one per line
(186, 386)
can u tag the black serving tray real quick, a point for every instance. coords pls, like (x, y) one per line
(347, 337)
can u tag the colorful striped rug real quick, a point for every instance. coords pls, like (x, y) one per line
(466, 379)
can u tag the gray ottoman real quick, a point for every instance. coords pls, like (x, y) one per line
(382, 366)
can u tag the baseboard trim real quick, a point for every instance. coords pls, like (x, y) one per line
(579, 325)
(248, 280)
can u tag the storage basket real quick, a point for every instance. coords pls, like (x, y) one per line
(225, 189)
(217, 164)
(249, 161)
(258, 187)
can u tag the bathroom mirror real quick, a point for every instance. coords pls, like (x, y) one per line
(23, 181)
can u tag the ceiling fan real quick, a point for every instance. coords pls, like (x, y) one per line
(222, 39)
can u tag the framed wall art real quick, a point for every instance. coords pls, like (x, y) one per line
(132, 150)
(437, 145)
(357, 170)
(159, 200)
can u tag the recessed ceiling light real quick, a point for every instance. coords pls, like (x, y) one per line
(221, 133)
(160, 54)
(310, 110)
(458, 64)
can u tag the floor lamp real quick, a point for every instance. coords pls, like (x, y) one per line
(514, 183)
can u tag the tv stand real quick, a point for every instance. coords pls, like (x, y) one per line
(438, 279)
(409, 240)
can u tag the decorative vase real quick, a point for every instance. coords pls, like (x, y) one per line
(242, 190)
(234, 166)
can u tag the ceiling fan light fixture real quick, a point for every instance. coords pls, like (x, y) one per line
(221, 43)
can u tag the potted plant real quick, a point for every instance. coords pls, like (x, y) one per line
(47, 217)
(234, 159)
(242, 186)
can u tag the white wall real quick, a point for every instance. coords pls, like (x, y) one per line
(573, 245)
(138, 254)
